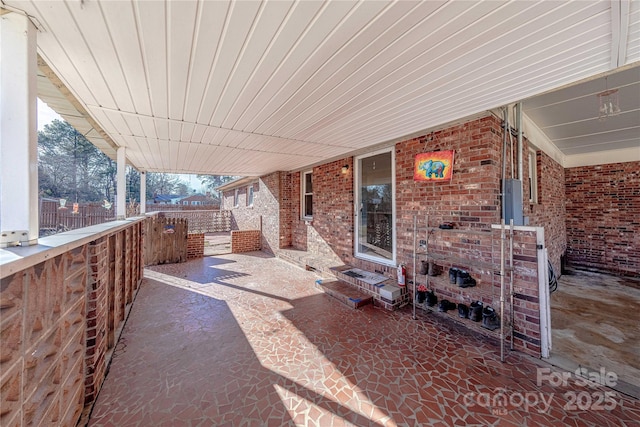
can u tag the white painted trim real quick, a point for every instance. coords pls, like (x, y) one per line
(537, 137)
(17, 259)
(143, 192)
(19, 220)
(532, 158)
(121, 195)
(302, 194)
(543, 295)
(622, 155)
(250, 196)
(619, 32)
(356, 192)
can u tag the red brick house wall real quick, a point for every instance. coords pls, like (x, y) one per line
(469, 200)
(550, 211)
(285, 214)
(330, 233)
(270, 209)
(603, 217)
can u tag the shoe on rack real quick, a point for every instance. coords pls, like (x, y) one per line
(423, 267)
(446, 305)
(463, 311)
(433, 269)
(490, 319)
(453, 274)
(461, 276)
(468, 282)
(432, 299)
(475, 311)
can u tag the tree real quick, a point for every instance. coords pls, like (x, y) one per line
(210, 182)
(162, 183)
(70, 166)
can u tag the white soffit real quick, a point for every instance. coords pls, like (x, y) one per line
(248, 87)
(569, 118)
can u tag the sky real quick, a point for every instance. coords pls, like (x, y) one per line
(46, 115)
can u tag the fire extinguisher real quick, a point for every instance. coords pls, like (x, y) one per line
(402, 275)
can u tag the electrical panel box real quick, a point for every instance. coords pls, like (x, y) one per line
(512, 202)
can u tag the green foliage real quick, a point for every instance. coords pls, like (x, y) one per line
(71, 167)
(210, 182)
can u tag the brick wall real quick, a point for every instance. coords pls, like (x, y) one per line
(330, 233)
(526, 300)
(550, 211)
(43, 342)
(245, 241)
(470, 200)
(287, 198)
(603, 217)
(195, 245)
(265, 212)
(58, 323)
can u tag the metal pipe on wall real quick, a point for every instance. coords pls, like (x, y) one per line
(520, 145)
(505, 129)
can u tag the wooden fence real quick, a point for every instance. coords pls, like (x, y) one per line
(157, 207)
(203, 221)
(54, 219)
(165, 240)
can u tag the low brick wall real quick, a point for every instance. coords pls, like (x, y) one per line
(195, 245)
(62, 310)
(245, 241)
(603, 207)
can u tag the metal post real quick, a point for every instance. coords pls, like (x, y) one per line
(415, 236)
(511, 281)
(502, 290)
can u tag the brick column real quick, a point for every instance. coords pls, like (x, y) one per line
(195, 245)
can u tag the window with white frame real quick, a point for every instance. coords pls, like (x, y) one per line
(236, 198)
(250, 195)
(307, 195)
(533, 176)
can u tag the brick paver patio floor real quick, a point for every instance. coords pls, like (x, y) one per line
(247, 340)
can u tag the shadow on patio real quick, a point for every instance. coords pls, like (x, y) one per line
(255, 343)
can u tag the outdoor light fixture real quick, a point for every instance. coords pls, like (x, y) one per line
(608, 103)
(345, 169)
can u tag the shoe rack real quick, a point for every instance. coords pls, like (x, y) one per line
(487, 256)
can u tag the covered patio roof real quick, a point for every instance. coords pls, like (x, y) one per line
(248, 88)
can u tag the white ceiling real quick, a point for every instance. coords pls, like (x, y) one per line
(569, 117)
(247, 88)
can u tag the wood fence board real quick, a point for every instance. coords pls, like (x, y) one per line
(165, 240)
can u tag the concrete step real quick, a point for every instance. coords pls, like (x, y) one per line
(345, 293)
(309, 262)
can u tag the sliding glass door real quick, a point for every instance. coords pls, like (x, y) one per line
(375, 207)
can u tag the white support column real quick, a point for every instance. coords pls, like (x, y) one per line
(18, 132)
(143, 193)
(121, 190)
